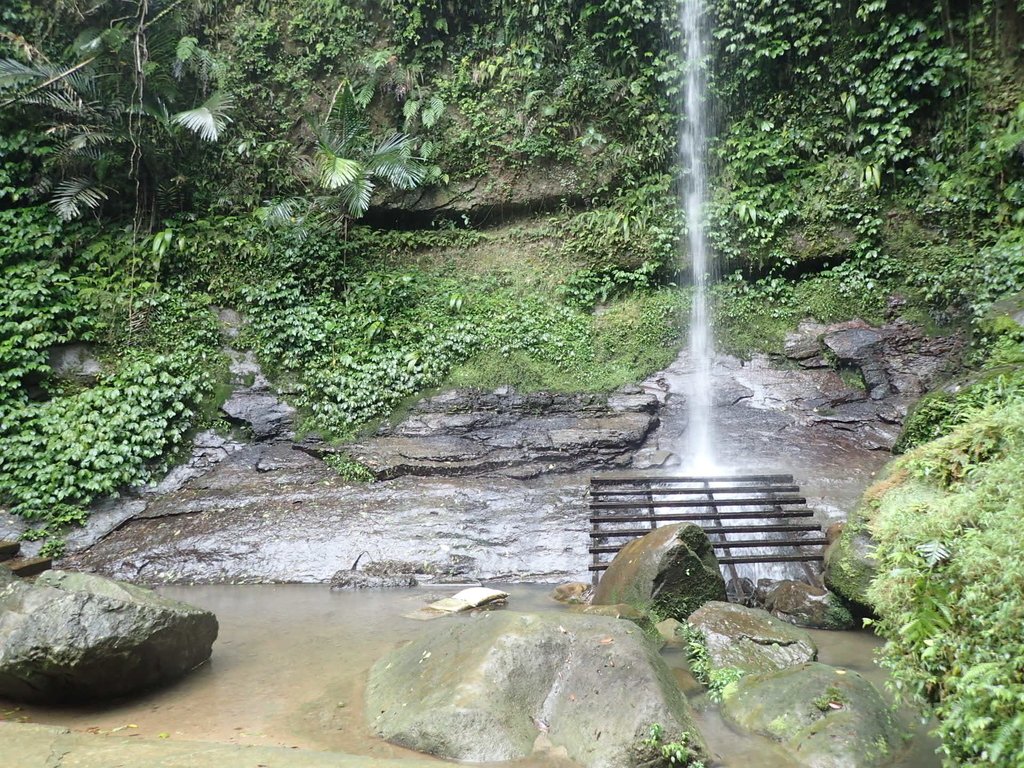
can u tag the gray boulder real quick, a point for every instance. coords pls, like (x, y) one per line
(807, 606)
(673, 569)
(850, 566)
(73, 637)
(490, 687)
(826, 717)
(262, 412)
(750, 639)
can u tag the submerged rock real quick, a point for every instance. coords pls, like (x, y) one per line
(361, 580)
(749, 639)
(807, 606)
(73, 637)
(485, 689)
(673, 568)
(574, 593)
(827, 717)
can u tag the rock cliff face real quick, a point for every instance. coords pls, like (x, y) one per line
(514, 435)
(493, 484)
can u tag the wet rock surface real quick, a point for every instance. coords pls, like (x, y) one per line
(850, 566)
(71, 637)
(749, 639)
(514, 435)
(497, 481)
(492, 687)
(673, 568)
(826, 717)
(806, 605)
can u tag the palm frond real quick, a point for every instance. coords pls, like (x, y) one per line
(392, 160)
(290, 211)
(208, 120)
(356, 196)
(335, 171)
(14, 73)
(72, 195)
(344, 117)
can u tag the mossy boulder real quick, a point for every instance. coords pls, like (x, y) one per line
(749, 639)
(72, 637)
(806, 605)
(485, 688)
(850, 566)
(826, 717)
(673, 569)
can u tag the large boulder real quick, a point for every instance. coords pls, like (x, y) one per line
(805, 605)
(850, 566)
(673, 569)
(750, 639)
(484, 689)
(73, 637)
(827, 717)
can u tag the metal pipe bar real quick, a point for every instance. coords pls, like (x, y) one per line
(744, 515)
(630, 479)
(676, 503)
(597, 493)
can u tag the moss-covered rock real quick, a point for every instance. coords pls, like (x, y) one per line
(805, 605)
(673, 569)
(849, 565)
(827, 717)
(749, 639)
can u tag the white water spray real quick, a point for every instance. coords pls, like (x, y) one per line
(692, 150)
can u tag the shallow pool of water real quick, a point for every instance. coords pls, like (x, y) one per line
(289, 667)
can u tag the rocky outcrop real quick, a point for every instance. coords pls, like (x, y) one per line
(892, 360)
(73, 637)
(492, 687)
(749, 639)
(253, 404)
(465, 432)
(826, 717)
(805, 605)
(673, 568)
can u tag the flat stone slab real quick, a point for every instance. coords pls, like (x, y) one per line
(460, 602)
(25, 745)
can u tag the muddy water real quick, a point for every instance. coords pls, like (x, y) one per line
(291, 661)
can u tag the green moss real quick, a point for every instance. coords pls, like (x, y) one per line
(949, 587)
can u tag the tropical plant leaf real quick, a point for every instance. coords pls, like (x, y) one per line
(289, 211)
(208, 120)
(355, 196)
(433, 111)
(335, 171)
(72, 195)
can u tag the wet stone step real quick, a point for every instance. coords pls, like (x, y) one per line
(9, 549)
(28, 566)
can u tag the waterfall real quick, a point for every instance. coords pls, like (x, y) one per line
(692, 152)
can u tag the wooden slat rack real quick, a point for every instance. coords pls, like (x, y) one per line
(730, 508)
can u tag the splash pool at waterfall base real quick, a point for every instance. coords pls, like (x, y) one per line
(289, 667)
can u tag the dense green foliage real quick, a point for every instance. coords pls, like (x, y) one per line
(862, 148)
(951, 583)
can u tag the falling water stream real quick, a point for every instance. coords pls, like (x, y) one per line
(692, 154)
